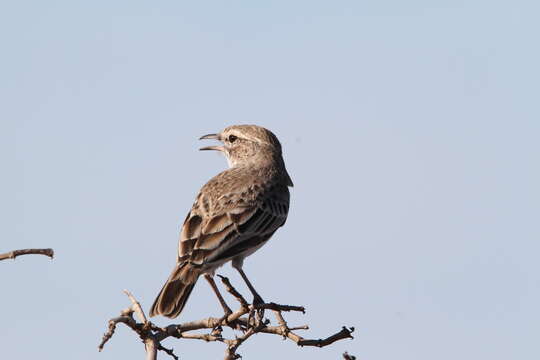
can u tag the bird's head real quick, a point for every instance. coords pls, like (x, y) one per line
(246, 144)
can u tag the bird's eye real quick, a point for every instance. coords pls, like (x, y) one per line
(232, 138)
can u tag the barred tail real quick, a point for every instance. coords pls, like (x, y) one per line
(173, 296)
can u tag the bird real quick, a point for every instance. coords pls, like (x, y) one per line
(234, 214)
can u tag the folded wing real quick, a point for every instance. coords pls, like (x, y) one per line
(212, 239)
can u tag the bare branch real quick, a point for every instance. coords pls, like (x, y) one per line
(13, 254)
(144, 329)
(230, 353)
(344, 333)
(152, 335)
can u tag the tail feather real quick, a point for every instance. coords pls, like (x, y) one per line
(173, 296)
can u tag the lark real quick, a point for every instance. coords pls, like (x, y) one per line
(234, 214)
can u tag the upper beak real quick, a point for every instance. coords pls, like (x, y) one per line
(210, 136)
(213, 147)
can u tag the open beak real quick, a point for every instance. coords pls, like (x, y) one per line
(213, 147)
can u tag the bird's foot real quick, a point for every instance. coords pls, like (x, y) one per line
(223, 320)
(257, 302)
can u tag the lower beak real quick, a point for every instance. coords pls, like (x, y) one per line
(214, 147)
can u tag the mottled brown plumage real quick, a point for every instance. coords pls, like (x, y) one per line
(235, 213)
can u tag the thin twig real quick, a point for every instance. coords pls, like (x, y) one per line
(233, 291)
(136, 307)
(13, 254)
(128, 320)
(169, 351)
(280, 307)
(301, 327)
(345, 333)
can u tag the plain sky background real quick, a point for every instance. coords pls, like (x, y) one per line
(410, 128)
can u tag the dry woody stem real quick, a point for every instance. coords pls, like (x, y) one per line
(13, 254)
(248, 320)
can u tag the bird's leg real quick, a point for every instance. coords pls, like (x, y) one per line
(224, 305)
(257, 299)
(226, 308)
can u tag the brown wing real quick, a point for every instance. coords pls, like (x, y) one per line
(206, 239)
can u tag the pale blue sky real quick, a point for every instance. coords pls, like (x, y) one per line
(411, 131)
